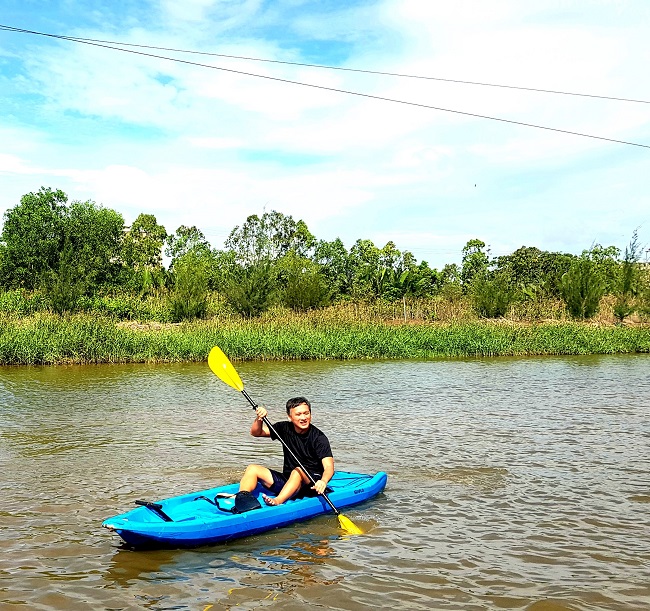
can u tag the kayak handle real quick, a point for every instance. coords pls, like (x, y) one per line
(156, 508)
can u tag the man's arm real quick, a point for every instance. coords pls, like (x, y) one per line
(258, 428)
(328, 472)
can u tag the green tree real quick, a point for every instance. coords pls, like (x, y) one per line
(189, 296)
(334, 261)
(95, 236)
(142, 256)
(185, 239)
(428, 281)
(33, 237)
(450, 274)
(629, 281)
(368, 276)
(304, 287)
(221, 267)
(251, 290)
(269, 238)
(491, 295)
(532, 270)
(583, 287)
(143, 243)
(399, 272)
(89, 257)
(64, 285)
(65, 250)
(607, 262)
(475, 262)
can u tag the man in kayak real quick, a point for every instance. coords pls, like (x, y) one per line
(310, 446)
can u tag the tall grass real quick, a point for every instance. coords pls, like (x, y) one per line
(50, 339)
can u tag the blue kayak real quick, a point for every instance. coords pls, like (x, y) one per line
(205, 517)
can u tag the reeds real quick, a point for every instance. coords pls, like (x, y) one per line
(50, 339)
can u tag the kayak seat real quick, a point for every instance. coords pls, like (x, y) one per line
(244, 501)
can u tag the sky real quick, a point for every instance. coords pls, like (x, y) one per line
(195, 145)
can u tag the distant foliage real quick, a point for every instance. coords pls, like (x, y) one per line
(630, 280)
(252, 290)
(583, 287)
(491, 296)
(79, 256)
(189, 296)
(21, 302)
(475, 263)
(64, 286)
(304, 286)
(143, 243)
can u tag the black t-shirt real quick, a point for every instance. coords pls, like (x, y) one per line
(310, 447)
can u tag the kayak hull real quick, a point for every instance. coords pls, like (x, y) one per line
(191, 519)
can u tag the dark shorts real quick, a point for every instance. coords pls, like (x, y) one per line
(279, 480)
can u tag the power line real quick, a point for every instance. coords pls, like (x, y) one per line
(339, 68)
(325, 88)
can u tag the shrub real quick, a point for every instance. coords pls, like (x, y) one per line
(491, 297)
(582, 288)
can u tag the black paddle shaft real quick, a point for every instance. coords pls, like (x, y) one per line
(286, 447)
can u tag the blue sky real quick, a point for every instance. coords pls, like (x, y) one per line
(198, 146)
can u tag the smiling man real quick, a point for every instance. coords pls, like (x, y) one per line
(308, 443)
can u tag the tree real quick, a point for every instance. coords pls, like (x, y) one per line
(189, 296)
(367, 274)
(305, 287)
(334, 261)
(185, 239)
(142, 245)
(583, 287)
(607, 262)
(269, 238)
(95, 235)
(475, 262)
(450, 274)
(251, 290)
(33, 237)
(428, 282)
(64, 285)
(65, 250)
(492, 295)
(532, 270)
(142, 255)
(629, 279)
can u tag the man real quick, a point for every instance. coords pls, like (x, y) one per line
(309, 444)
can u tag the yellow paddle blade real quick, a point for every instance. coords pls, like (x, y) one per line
(223, 369)
(348, 525)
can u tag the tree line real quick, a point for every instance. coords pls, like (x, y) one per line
(67, 253)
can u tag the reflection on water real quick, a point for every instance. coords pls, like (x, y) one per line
(513, 484)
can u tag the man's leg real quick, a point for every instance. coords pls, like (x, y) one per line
(254, 474)
(295, 481)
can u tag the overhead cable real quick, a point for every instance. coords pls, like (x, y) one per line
(339, 68)
(325, 88)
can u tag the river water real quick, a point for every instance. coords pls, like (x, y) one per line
(513, 484)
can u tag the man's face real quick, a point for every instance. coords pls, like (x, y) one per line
(300, 417)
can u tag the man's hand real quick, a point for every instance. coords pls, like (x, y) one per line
(319, 486)
(258, 428)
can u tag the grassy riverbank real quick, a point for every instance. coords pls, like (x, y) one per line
(50, 339)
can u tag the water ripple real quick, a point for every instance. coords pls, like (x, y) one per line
(513, 484)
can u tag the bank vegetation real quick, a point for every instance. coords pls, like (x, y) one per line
(78, 286)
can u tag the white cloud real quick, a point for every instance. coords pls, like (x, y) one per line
(202, 147)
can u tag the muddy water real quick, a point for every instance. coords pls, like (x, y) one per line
(513, 484)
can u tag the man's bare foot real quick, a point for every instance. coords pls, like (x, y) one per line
(270, 500)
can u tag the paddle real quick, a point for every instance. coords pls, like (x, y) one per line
(224, 370)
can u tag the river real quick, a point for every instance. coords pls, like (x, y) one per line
(514, 483)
